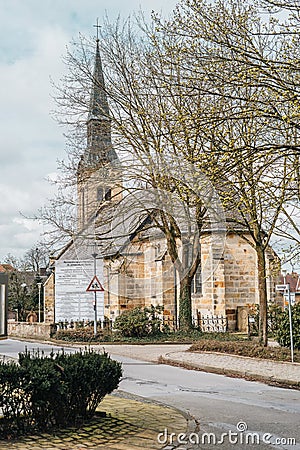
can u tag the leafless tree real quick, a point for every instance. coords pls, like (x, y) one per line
(213, 93)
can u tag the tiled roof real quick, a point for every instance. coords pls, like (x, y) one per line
(293, 279)
(6, 268)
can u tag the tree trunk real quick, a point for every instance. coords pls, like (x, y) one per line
(185, 305)
(262, 292)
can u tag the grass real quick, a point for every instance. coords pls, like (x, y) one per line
(244, 348)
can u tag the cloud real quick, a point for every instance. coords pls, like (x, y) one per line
(34, 35)
(31, 142)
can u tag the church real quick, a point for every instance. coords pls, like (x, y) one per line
(136, 269)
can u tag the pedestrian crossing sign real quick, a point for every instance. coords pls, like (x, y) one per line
(95, 285)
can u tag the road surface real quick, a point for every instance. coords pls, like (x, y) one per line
(232, 413)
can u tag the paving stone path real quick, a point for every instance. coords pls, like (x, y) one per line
(128, 425)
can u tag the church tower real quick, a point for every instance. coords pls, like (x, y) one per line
(98, 174)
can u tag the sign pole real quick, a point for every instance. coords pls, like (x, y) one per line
(95, 286)
(286, 288)
(291, 324)
(95, 313)
(94, 255)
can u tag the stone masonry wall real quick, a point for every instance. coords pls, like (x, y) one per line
(29, 330)
(212, 300)
(240, 273)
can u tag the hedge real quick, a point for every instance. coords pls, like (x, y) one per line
(60, 390)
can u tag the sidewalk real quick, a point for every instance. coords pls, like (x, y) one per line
(280, 373)
(130, 424)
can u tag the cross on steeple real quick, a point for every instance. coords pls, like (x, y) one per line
(98, 27)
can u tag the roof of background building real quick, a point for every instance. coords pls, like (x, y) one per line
(293, 279)
(6, 268)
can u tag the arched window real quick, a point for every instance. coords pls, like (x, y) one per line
(103, 194)
(107, 194)
(197, 281)
(100, 194)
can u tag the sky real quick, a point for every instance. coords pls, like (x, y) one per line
(33, 39)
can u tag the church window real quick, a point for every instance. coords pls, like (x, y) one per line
(83, 204)
(100, 194)
(157, 250)
(197, 281)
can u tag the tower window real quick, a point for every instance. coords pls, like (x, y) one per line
(103, 194)
(99, 194)
(108, 194)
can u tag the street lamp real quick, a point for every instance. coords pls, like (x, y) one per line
(24, 287)
(39, 285)
(284, 272)
(94, 255)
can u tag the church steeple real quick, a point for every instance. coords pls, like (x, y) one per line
(98, 103)
(99, 149)
(98, 174)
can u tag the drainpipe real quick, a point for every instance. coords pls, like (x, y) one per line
(175, 298)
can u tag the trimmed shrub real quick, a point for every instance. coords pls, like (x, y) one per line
(139, 322)
(283, 328)
(274, 318)
(59, 390)
(15, 402)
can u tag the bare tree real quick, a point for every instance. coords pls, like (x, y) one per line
(157, 149)
(23, 293)
(211, 93)
(248, 67)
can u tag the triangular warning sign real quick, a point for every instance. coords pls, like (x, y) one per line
(95, 285)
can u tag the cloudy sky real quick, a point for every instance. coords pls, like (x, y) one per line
(33, 38)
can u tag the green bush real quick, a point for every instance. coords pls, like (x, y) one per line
(274, 319)
(139, 322)
(283, 331)
(15, 402)
(83, 335)
(59, 390)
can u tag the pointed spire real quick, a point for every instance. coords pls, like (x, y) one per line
(98, 102)
(99, 146)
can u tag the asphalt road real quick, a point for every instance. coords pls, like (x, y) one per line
(221, 404)
(232, 413)
(12, 347)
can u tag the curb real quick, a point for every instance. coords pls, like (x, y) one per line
(232, 373)
(59, 342)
